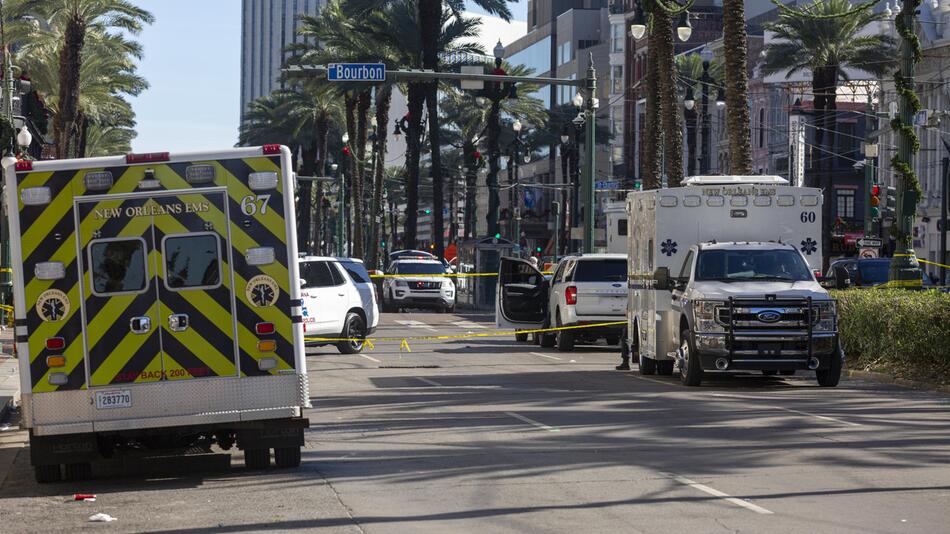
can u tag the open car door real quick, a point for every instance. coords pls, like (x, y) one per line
(521, 298)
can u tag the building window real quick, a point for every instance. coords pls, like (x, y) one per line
(616, 79)
(761, 127)
(844, 203)
(616, 37)
(564, 53)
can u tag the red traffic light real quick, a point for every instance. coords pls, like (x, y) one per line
(875, 190)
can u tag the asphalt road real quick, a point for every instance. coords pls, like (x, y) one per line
(489, 435)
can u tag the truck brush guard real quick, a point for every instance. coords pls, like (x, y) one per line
(772, 326)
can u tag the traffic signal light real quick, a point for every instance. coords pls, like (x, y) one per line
(638, 185)
(382, 244)
(498, 236)
(537, 249)
(428, 211)
(875, 201)
(890, 203)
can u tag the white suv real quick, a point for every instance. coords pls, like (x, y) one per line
(585, 289)
(338, 301)
(418, 283)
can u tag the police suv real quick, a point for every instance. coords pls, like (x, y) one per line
(157, 305)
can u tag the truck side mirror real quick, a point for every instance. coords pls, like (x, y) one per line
(661, 277)
(842, 278)
(303, 283)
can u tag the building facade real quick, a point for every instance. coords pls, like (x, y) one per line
(267, 28)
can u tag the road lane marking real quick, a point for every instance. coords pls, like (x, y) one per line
(544, 356)
(468, 324)
(654, 380)
(533, 422)
(724, 496)
(789, 410)
(370, 358)
(416, 324)
(427, 381)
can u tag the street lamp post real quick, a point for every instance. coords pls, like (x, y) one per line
(590, 122)
(705, 80)
(515, 155)
(341, 209)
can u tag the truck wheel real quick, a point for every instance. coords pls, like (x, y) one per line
(829, 378)
(257, 458)
(546, 340)
(647, 365)
(353, 329)
(613, 341)
(388, 304)
(78, 471)
(47, 473)
(287, 456)
(565, 339)
(691, 370)
(521, 338)
(664, 367)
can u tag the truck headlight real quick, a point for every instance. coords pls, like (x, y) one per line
(704, 316)
(824, 316)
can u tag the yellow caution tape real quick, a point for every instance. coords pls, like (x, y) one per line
(933, 263)
(6, 270)
(404, 340)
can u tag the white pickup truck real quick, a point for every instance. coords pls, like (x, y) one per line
(723, 276)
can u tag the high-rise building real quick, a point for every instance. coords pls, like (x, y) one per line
(267, 27)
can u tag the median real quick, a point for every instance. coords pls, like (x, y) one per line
(900, 333)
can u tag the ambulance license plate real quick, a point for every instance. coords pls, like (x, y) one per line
(113, 399)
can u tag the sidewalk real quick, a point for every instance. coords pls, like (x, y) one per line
(9, 375)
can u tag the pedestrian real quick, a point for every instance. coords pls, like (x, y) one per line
(624, 353)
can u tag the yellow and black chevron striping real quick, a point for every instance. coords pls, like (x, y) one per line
(220, 339)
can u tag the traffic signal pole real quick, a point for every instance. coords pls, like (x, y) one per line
(590, 83)
(904, 269)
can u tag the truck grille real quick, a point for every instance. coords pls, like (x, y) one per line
(768, 327)
(761, 315)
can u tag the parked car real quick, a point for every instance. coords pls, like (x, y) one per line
(585, 289)
(419, 255)
(868, 272)
(339, 301)
(418, 283)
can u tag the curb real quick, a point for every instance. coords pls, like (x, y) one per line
(903, 382)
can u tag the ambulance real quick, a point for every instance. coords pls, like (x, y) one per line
(157, 306)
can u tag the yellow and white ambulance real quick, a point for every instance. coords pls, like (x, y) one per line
(157, 306)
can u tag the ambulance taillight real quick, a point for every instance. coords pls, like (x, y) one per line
(270, 150)
(264, 329)
(55, 343)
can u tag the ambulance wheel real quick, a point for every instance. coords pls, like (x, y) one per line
(647, 365)
(78, 472)
(829, 378)
(691, 369)
(257, 458)
(565, 339)
(664, 367)
(521, 337)
(613, 341)
(287, 456)
(355, 331)
(47, 473)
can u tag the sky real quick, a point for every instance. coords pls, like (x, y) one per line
(193, 65)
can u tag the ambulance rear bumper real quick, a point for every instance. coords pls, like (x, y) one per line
(168, 404)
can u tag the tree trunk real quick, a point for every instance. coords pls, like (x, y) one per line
(358, 212)
(416, 100)
(491, 181)
(322, 134)
(305, 198)
(649, 155)
(824, 86)
(692, 125)
(65, 124)
(737, 97)
(471, 175)
(662, 38)
(349, 102)
(430, 21)
(384, 97)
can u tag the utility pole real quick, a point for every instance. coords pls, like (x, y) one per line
(905, 270)
(868, 170)
(590, 116)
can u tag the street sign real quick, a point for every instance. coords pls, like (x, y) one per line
(870, 242)
(867, 253)
(356, 72)
(476, 85)
(607, 185)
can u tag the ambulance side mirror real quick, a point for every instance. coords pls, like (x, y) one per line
(661, 278)
(303, 283)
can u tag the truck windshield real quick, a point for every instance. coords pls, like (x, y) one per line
(419, 268)
(732, 265)
(601, 271)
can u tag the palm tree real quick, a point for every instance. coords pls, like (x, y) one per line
(74, 20)
(650, 163)
(671, 122)
(737, 86)
(825, 38)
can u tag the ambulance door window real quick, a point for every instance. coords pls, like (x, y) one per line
(192, 261)
(118, 266)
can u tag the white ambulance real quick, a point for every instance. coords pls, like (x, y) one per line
(723, 276)
(157, 305)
